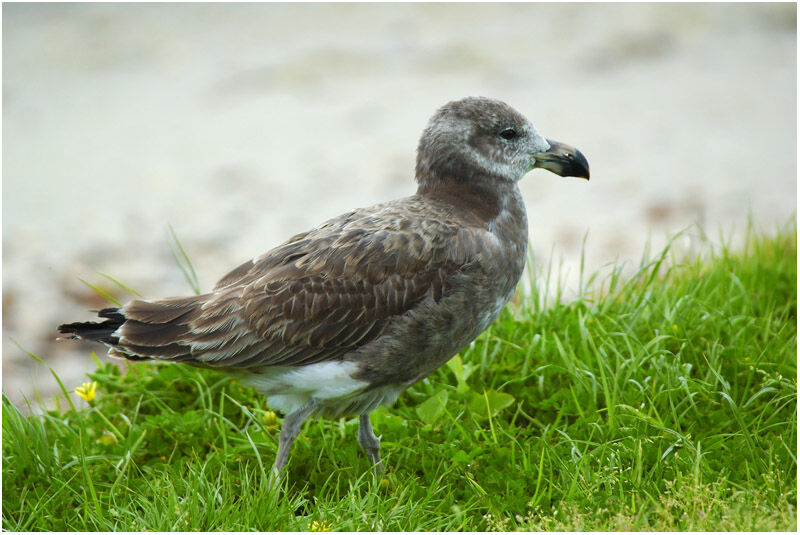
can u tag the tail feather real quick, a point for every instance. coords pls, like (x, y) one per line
(142, 330)
(96, 331)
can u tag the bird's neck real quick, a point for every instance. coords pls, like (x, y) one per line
(486, 197)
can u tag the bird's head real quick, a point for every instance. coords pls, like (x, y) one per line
(478, 136)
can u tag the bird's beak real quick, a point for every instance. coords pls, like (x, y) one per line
(563, 160)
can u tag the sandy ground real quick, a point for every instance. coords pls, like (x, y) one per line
(240, 125)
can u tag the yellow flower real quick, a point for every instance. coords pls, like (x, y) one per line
(319, 526)
(107, 438)
(674, 326)
(270, 419)
(87, 391)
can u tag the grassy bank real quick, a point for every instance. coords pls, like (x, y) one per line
(665, 401)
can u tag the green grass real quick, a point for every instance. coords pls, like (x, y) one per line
(663, 401)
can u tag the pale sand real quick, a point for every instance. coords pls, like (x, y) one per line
(243, 124)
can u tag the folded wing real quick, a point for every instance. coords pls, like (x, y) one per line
(313, 299)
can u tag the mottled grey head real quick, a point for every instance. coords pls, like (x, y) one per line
(480, 137)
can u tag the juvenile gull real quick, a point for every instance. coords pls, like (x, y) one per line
(342, 318)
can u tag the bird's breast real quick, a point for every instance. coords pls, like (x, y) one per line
(492, 257)
(508, 236)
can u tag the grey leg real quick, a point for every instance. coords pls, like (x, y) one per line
(289, 431)
(369, 442)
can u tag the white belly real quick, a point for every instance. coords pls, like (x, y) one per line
(331, 383)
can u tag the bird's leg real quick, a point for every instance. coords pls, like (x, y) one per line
(289, 431)
(369, 442)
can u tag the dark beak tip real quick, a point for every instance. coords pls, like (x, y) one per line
(581, 165)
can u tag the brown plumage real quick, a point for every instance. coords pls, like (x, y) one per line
(342, 318)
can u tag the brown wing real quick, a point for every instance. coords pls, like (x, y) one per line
(315, 298)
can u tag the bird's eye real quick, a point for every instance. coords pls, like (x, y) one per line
(508, 133)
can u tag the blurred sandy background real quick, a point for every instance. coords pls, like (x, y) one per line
(241, 125)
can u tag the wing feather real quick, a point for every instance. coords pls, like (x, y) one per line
(315, 298)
